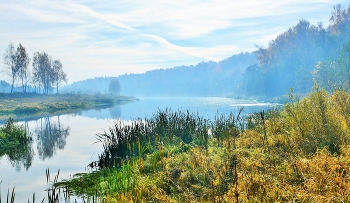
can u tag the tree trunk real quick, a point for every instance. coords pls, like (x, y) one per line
(22, 83)
(13, 83)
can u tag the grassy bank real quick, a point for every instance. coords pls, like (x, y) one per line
(298, 154)
(17, 105)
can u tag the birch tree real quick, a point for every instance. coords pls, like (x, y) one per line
(22, 65)
(10, 62)
(58, 75)
(42, 71)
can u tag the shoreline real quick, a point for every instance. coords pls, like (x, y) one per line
(20, 107)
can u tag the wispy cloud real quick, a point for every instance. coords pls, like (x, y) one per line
(162, 41)
(117, 37)
(188, 50)
(42, 13)
(102, 17)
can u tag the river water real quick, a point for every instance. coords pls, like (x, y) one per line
(68, 142)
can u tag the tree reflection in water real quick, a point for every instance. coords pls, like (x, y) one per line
(115, 112)
(23, 154)
(50, 135)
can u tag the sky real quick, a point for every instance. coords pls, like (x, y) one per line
(112, 38)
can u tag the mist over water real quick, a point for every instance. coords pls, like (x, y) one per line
(208, 107)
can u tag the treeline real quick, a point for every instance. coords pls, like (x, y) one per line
(45, 75)
(204, 79)
(97, 85)
(296, 58)
(301, 55)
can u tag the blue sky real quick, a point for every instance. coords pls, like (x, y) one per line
(110, 38)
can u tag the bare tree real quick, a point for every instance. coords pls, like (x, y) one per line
(22, 65)
(58, 75)
(10, 62)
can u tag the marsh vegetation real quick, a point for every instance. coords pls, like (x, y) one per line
(298, 153)
(295, 153)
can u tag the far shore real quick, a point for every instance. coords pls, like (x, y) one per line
(33, 105)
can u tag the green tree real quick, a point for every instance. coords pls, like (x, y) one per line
(336, 72)
(292, 56)
(114, 86)
(344, 59)
(253, 83)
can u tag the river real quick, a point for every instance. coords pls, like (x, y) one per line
(68, 142)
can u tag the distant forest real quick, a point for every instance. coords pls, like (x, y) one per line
(297, 58)
(204, 79)
(97, 85)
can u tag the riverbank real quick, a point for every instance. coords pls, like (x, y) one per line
(299, 154)
(18, 105)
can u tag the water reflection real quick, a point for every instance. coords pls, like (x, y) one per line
(22, 156)
(50, 135)
(107, 113)
(115, 112)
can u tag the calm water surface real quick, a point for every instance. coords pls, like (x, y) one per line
(67, 142)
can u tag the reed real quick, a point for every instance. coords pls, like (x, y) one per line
(225, 126)
(143, 147)
(145, 136)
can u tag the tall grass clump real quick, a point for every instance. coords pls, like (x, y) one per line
(318, 121)
(148, 135)
(225, 126)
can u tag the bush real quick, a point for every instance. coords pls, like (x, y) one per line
(26, 110)
(11, 136)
